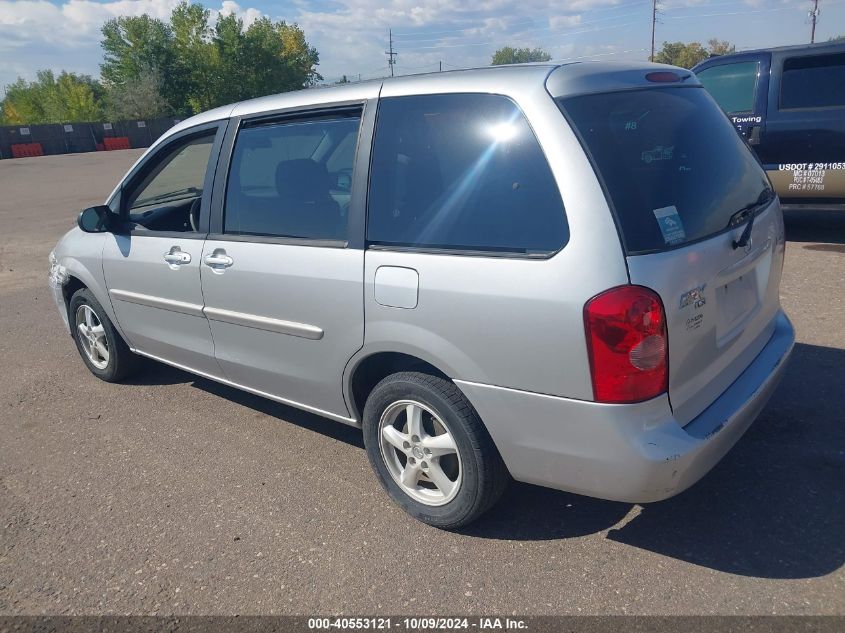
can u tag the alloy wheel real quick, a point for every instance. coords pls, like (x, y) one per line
(420, 452)
(92, 336)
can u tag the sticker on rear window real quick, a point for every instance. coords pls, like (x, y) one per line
(670, 225)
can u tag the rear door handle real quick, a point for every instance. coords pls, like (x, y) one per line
(176, 257)
(218, 259)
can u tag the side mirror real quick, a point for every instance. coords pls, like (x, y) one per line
(344, 181)
(97, 219)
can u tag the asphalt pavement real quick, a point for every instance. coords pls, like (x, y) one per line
(172, 494)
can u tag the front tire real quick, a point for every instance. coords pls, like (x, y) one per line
(102, 349)
(430, 450)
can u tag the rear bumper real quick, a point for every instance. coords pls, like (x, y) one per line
(635, 453)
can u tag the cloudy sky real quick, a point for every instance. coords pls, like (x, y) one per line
(351, 35)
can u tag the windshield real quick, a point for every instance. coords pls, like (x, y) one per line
(674, 167)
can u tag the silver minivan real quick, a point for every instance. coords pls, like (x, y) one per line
(563, 274)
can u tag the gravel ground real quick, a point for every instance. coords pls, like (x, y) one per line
(173, 494)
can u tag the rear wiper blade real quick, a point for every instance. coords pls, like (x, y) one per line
(746, 234)
(749, 213)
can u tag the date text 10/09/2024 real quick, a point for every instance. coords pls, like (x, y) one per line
(417, 623)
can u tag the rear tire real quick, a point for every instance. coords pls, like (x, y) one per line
(102, 349)
(430, 450)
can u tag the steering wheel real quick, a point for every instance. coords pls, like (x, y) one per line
(194, 214)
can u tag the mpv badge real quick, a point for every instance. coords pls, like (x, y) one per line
(694, 297)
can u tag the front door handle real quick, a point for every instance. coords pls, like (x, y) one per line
(218, 259)
(176, 257)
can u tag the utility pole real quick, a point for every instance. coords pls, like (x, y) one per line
(653, 25)
(391, 55)
(814, 14)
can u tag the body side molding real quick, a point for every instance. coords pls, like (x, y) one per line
(184, 307)
(264, 323)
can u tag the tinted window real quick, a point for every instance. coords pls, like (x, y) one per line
(674, 167)
(813, 82)
(732, 85)
(168, 198)
(462, 172)
(292, 179)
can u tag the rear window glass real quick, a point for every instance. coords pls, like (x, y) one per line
(462, 172)
(732, 85)
(673, 165)
(813, 82)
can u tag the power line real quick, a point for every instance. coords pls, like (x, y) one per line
(661, 10)
(526, 21)
(524, 32)
(463, 30)
(716, 15)
(658, 15)
(572, 58)
(421, 67)
(675, 7)
(630, 50)
(548, 35)
(541, 38)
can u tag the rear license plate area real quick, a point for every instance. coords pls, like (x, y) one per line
(736, 301)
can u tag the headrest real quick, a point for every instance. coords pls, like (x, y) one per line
(302, 179)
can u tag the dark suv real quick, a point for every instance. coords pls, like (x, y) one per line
(789, 104)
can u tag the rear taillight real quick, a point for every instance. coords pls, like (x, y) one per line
(664, 76)
(627, 345)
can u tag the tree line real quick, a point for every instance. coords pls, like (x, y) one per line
(675, 53)
(683, 54)
(154, 68)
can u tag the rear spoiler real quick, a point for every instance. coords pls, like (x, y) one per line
(591, 77)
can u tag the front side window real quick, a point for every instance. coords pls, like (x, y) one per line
(462, 171)
(168, 198)
(733, 86)
(292, 179)
(817, 81)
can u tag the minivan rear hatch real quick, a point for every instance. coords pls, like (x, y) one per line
(698, 221)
